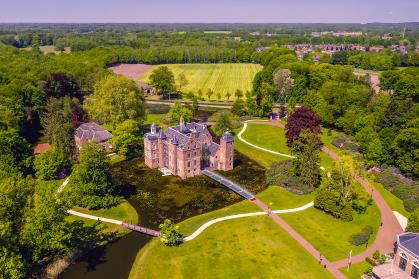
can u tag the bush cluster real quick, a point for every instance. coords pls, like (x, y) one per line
(361, 237)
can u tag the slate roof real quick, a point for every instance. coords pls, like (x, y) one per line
(144, 85)
(92, 132)
(410, 241)
(175, 136)
(213, 148)
(227, 137)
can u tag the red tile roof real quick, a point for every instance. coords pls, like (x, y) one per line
(41, 148)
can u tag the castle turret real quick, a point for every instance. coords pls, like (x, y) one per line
(226, 151)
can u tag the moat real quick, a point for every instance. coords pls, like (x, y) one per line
(156, 198)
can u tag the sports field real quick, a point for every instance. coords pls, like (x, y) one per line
(220, 78)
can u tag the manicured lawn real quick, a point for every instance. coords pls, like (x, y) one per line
(329, 235)
(356, 270)
(327, 140)
(123, 212)
(154, 118)
(273, 138)
(265, 159)
(220, 78)
(253, 247)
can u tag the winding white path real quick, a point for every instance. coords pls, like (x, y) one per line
(258, 147)
(261, 148)
(214, 221)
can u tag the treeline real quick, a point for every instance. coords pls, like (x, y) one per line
(385, 125)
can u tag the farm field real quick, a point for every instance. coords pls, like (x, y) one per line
(220, 78)
(49, 49)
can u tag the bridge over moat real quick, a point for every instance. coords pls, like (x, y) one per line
(229, 184)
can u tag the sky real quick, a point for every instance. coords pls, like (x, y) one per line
(212, 11)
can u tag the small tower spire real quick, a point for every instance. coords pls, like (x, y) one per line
(182, 124)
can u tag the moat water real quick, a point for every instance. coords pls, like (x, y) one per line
(169, 197)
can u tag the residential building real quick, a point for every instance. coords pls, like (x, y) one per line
(186, 149)
(405, 264)
(92, 132)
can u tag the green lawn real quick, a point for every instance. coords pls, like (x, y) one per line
(220, 78)
(356, 270)
(154, 118)
(273, 138)
(330, 235)
(48, 49)
(123, 212)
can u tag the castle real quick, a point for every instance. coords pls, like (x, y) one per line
(187, 149)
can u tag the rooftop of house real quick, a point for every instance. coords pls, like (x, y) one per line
(144, 85)
(410, 242)
(41, 148)
(92, 132)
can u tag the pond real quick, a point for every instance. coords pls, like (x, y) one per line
(156, 198)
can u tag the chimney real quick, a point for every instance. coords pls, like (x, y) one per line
(182, 124)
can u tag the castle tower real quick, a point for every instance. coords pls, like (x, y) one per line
(226, 152)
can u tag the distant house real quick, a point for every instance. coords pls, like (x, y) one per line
(41, 148)
(406, 259)
(147, 88)
(92, 132)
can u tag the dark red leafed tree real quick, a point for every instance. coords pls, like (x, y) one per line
(59, 84)
(302, 118)
(78, 116)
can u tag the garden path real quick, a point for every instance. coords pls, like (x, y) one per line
(390, 227)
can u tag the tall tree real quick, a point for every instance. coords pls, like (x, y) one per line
(90, 182)
(302, 118)
(182, 81)
(127, 139)
(116, 99)
(283, 83)
(306, 165)
(162, 79)
(178, 111)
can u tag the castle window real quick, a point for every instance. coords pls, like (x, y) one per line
(189, 164)
(194, 162)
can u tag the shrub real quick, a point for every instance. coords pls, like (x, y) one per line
(359, 206)
(382, 259)
(361, 237)
(413, 224)
(368, 271)
(169, 233)
(371, 261)
(376, 255)
(346, 214)
(281, 174)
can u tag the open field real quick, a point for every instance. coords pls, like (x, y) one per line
(269, 137)
(356, 270)
(132, 71)
(49, 49)
(253, 247)
(220, 78)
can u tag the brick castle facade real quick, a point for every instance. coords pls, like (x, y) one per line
(188, 148)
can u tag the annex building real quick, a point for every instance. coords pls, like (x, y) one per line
(187, 149)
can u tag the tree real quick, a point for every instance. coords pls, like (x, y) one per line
(239, 107)
(169, 233)
(162, 79)
(223, 123)
(78, 116)
(413, 224)
(337, 192)
(283, 83)
(238, 94)
(178, 111)
(218, 96)
(15, 153)
(306, 165)
(209, 93)
(340, 58)
(302, 118)
(406, 148)
(182, 81)
(48, 164)
(195, 106)
(90, 184)
(60, 84)
(228, 95)
(116, 99)
(127, 139)
(200, 93)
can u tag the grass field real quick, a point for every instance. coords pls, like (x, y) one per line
(356, 270)
(270, 137)
(253, 247)
(123, 212)
(220, 78)
(48, 49)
